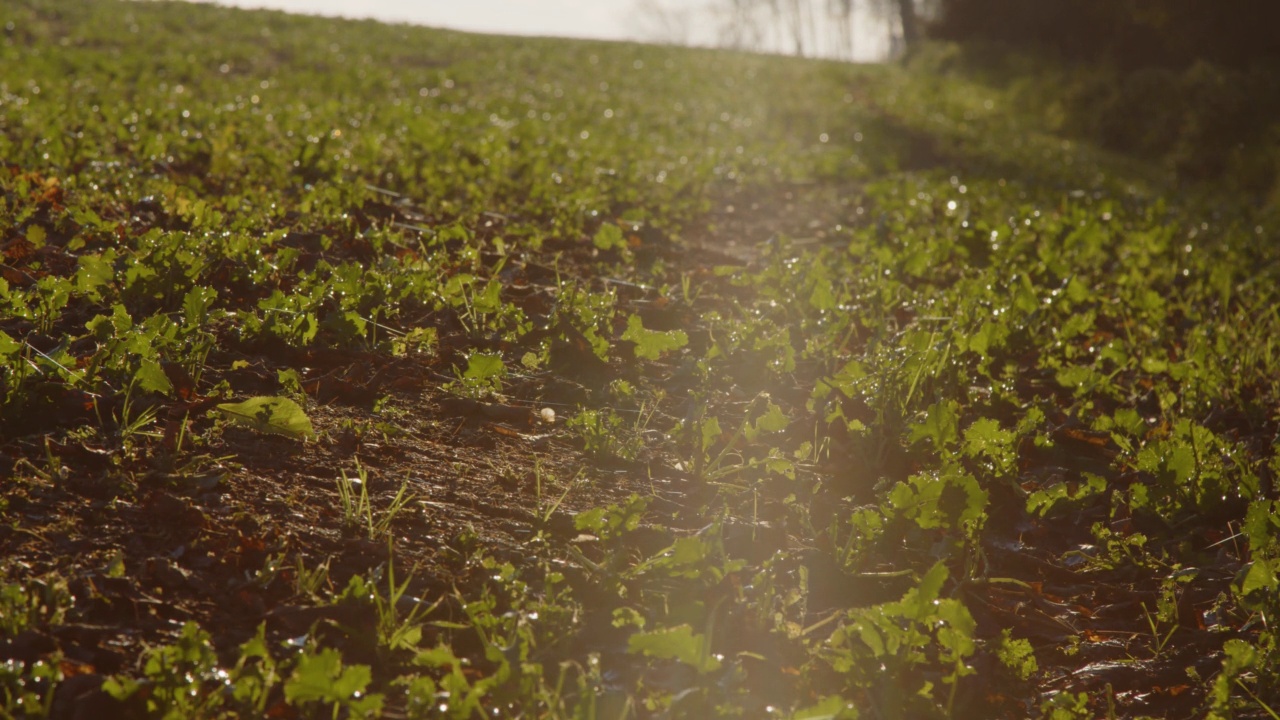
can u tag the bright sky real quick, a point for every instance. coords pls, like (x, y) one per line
(603, 19)
(606, 19)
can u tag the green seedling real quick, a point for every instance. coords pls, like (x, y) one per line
(358, 512)
(275, 415)
(902, 323)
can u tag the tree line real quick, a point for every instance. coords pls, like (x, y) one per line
(1131, 33)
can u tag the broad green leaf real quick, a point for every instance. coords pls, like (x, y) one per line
(984, 435)
(1154, 365)
(1076, 377)
(482, 366)
(613, 520)
(958, 625)
(1240, 655)
(196, 304)
(277, 415)
(1261, 576)
(1077, 325)
(95, 272)
(823, 296)
(321, 677)
(983, 338)
(832, 707)
(353, 679)
(941, 425)
(773, 420)
(962, 500)
(1260, 523)
(8, 346)
(490, 300)
(1182, 463)
(939, 500)
(313, 676)
(931, 583)
(291, 381)
(609, 237)
(684, 559)
(1130, 421)
(918, 603)
(151, 377)
(651, 344)
(870, 637)
(591, 521)
(986, 438)
(1017, 655)
(676, 643)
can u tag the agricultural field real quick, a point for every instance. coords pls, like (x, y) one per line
(354, 370)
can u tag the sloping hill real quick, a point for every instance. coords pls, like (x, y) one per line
(359, 370)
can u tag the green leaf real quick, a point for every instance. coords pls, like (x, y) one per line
(94, 272)
(985, 437)
(312, 676)
(676, 643)
(685, 558)
(613, 520)
(651, 344)
(1181, 461)
(918, 603)
(1240, 655)
(1261, 520)
(609, 236)
(941, 425)
(1130, 421)
(277, 415)
(983, 434)
(832, 707)
(591, 521)
(1017, 655)
(823, 296)
(490, 300)
(321, 677)
(196, 304)
(773, 420)
(291, 381)
(8, 346)
(121, 687)
(931, 584)
(353, 679)
(1261, 576)
(151, 378)
(1154, 365)
(710, 432)
(981, 341)
(870, 637)
(483, 366)
(955, 632)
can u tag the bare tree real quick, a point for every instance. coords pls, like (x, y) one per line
(842, 12)
(658, 22)
(907, 17)
(903, 15)
(739, 24)
(825, 28)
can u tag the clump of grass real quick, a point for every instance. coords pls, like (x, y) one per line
(359, 516)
